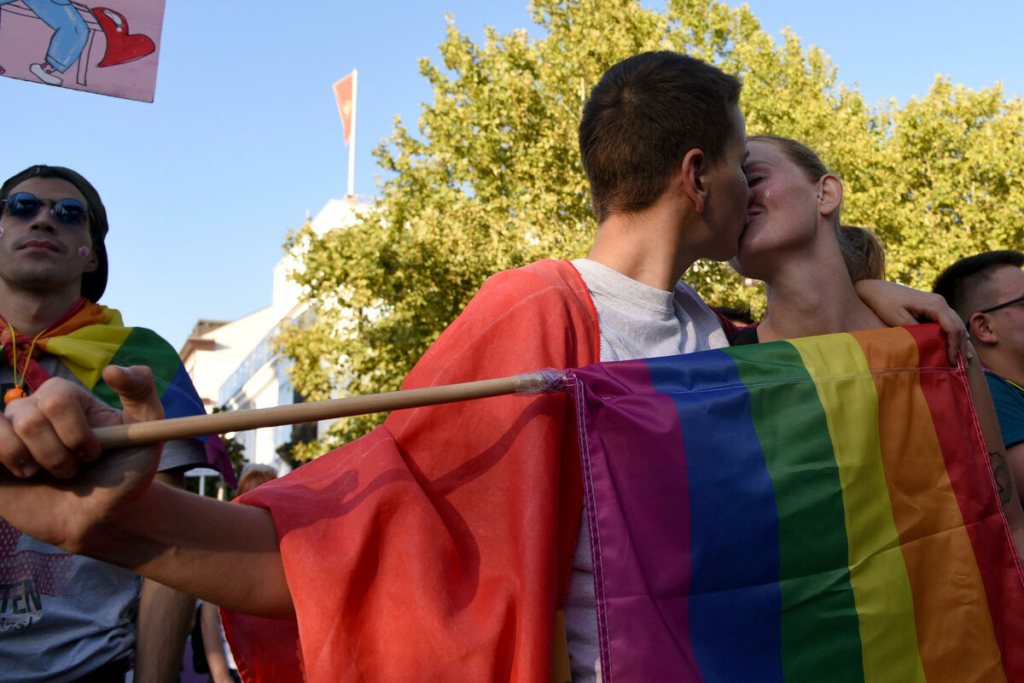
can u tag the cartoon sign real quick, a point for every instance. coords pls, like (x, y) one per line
(112, 50)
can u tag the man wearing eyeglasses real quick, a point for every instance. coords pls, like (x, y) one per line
(65, 617)
(987, 291)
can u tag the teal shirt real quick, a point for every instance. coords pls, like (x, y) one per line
(1009, 400)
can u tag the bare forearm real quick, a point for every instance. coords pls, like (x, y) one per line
(164, 619)
(1001, 470)
(105, 505)
(898, 305)
(221, 552)
(1015, 456)
(213, 643)
(217, 664)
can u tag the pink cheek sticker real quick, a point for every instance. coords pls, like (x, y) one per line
(83, 252)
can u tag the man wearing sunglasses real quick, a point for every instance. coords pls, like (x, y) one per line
(987, 291)
(65, 617)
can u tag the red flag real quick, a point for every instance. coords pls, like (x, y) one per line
(344, 93)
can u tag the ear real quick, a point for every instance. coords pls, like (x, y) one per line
(830, 194)
(980, 330)
(693, 181)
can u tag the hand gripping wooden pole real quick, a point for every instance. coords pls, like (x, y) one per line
(143, 433)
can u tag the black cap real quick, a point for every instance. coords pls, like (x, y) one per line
(94, 283)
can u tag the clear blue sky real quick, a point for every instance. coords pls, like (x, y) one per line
(202, 186)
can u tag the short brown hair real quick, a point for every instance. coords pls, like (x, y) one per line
(642, 118)
(959, 284)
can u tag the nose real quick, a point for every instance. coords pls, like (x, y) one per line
(43, 220)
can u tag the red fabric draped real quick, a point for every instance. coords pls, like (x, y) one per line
(438, 547)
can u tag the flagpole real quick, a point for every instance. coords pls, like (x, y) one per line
(142, 433)
(352, 138)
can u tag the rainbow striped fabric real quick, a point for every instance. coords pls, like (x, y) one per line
(89, 349)
(815, 510)
(87, 339)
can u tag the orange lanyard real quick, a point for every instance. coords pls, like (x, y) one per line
(17, 392)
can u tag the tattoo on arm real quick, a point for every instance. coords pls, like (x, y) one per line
(1002, 476)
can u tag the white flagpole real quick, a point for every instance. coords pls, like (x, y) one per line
(352, 142)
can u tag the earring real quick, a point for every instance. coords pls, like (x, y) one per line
(83, 252)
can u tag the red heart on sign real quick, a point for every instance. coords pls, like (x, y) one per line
(121, 46)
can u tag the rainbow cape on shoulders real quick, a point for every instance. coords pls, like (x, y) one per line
(88, 338)
(819, 509)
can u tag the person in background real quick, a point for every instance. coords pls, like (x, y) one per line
(987, 291)
(218, 655)
(65, 617)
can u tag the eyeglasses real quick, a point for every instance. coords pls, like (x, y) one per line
(1011, 302)
(26, 205)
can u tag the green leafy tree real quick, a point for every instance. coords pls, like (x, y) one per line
(947, 180)
(492, 179)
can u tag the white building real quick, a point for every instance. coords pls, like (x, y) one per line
(233, 365)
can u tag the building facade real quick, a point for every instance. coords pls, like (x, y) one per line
(233, 364)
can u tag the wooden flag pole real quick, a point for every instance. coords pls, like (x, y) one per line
(352, 137)
(143, 433)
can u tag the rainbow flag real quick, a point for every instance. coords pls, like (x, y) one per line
(815, 510)
(88, 338)
(88, 350)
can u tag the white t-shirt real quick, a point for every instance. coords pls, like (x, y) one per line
(636, 321)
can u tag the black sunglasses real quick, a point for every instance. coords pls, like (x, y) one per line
(26, 205)
(1011, 302)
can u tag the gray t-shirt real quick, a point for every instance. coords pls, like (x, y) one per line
(61, 615)
(636, 321)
